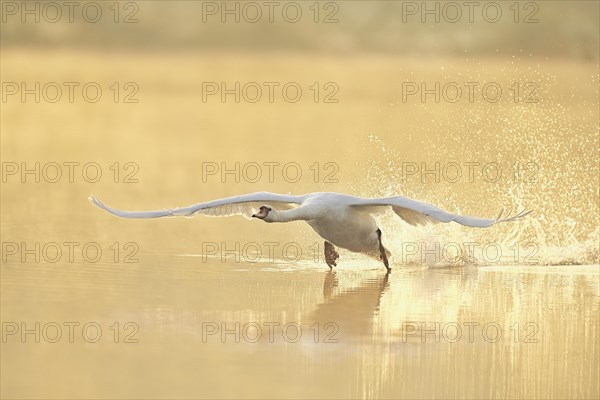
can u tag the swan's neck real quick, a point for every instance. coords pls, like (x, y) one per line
(286, 215)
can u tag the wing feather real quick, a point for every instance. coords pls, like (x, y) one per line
(244, 205)
(419, 213)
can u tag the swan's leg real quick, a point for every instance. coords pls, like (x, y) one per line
(382, 253)
(331, 255)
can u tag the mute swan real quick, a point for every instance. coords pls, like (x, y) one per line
(342, 220)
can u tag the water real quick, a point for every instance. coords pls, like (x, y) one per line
(525, 332)
(146, 301)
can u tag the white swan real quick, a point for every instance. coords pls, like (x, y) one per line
(342, 220)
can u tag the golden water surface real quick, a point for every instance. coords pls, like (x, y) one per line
(198, 308)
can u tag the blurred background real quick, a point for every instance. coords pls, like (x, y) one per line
(400, 28)
(158, 131)
(352, 61)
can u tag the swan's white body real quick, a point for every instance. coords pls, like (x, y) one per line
(346, 221)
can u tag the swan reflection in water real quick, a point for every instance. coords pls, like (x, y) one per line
(353, 301)
(352, 310)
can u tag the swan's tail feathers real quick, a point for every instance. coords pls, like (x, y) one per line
(130, 214)
(506, 217)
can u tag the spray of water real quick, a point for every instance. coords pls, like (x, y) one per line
(563, 230)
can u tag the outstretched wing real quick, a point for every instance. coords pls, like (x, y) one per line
(418, 213)
(245, 205)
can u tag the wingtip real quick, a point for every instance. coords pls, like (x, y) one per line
(499, 217)
(93, 199)
(516, 217)
(525, 213)
(96, 202)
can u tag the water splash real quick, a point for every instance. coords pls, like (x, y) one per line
(560, 232)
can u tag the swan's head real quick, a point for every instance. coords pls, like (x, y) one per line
(263, 213)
